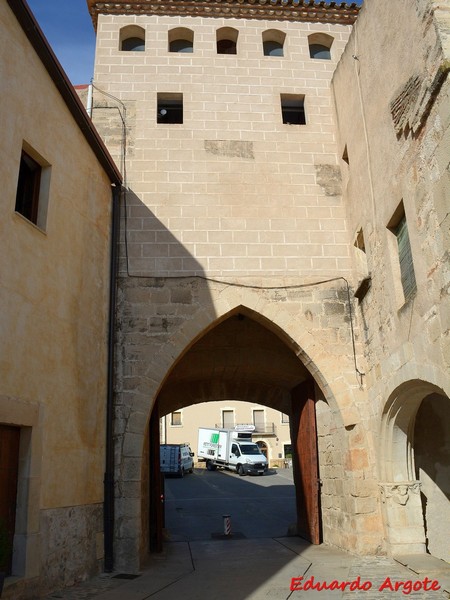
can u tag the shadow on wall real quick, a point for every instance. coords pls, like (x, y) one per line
(432, 461)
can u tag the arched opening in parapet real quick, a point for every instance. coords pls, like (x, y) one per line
(320, 46)
(226, 40)
(273, 42)
(416, 469)
(181, 40)
(243, 358)
(132, 39)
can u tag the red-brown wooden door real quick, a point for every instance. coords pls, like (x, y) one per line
(305, 461)
(9, 464)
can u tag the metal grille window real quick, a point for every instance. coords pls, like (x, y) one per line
(405, 257)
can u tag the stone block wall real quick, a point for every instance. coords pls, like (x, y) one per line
(231, 191)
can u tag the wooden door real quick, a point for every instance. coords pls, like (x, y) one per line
(305, 461)
(9, 465)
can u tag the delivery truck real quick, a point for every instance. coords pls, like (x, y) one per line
(231, 449)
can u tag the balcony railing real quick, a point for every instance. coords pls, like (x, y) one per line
(259, 428)
(265, 428)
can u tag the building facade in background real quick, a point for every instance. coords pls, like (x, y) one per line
(270, 427)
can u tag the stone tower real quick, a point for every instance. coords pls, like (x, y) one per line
(241, 248)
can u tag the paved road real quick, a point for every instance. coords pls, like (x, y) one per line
(259, 562)
(259, 507)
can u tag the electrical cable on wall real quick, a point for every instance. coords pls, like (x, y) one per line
(359, 373)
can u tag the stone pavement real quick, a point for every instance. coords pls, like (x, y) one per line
(260, 569)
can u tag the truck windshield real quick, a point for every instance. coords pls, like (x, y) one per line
(249, 449)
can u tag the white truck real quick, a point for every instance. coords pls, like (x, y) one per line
(231, 449)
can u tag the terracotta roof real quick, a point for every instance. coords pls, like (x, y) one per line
(280, 10)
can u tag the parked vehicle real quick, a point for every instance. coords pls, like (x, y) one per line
(231, 449)
(176, 459)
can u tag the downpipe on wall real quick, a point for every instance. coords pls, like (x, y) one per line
(108, 481)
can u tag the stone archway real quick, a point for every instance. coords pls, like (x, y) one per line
(405, 461)
(241, 358)
(154, 371)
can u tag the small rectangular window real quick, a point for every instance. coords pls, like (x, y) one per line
(293, 109)
(284, 418)
(175, 419)
(228, 419)
(33, 186)
(28, 188)
(170, 108)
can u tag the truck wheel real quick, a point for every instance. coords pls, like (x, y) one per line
(210, 466)
(240, 470)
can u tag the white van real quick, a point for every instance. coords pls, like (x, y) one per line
(176, 459)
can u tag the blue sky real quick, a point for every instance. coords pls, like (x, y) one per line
(68, 27)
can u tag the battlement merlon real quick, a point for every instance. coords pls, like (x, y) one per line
(273, 10)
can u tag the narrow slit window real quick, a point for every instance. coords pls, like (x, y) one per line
(293, 109)
(402, 258)
(405, 258)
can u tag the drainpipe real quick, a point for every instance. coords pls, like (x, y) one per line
(89, 100)
(108, 481)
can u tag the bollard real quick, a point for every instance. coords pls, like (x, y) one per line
(227, 524)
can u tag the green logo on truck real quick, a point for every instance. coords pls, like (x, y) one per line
(214, 438)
